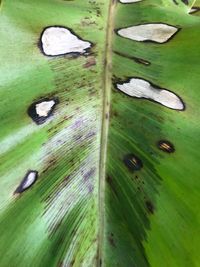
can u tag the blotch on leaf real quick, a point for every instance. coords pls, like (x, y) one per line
(57, 40)
(166, 146)
(154, 32)
(132, 162)
(140, 88)
(41, 110)
(29, 179)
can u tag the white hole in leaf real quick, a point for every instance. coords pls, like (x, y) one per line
(30, 179)
(27, 182)
(193, 10)
(142, 89)
(157, 32)
(43, 108)
(59, 40)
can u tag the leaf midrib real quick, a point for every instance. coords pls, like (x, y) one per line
(107, 85)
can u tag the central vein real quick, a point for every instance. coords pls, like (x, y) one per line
(105, 123)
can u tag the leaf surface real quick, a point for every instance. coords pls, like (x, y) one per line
(99, 135)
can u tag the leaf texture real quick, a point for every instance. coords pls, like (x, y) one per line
(99, 135)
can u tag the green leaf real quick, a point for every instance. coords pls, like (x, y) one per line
(99, 133)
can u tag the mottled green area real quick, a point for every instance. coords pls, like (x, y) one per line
(151, 216)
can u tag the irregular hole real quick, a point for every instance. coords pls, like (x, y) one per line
(155, 32)
(57, 40)
(140, 88)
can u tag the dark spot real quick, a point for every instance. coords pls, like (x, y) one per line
(41, 119)
(111, 240)
(149, 206)
(26, 183)
(111, 184)
(113, 113)
(185, 2)
(166, 146)
(136, 59)
(175, 2)
(132, 162)
(109, 179)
